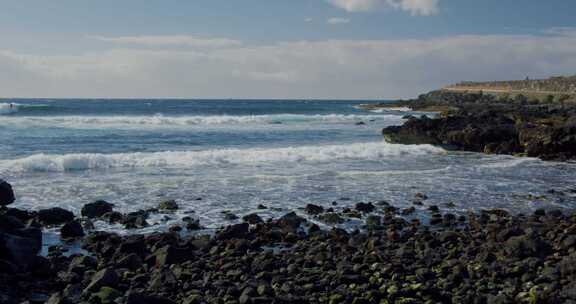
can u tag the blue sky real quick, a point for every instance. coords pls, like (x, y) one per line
(276, 49)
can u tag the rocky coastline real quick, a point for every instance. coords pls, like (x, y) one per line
(487, 257)
(488, 123)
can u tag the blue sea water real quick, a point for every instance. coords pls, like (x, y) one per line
(217, 155)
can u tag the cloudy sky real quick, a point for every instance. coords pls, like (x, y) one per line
(276, 48)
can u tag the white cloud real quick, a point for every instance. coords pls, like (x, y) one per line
(173, 40)
(308, 20)
(304, 69)
(415, 7)
(337, 20)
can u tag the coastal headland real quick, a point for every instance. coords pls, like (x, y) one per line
(524, 118)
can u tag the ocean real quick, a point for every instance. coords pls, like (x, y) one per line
(232, 155)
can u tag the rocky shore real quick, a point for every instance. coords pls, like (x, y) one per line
(487, 257)
(486, 123)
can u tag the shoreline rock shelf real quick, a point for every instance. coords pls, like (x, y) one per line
(483, 123)
(487, 257)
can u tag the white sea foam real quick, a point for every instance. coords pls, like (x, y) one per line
(70, 162)
(391, 109)
(507, 162)
(159, 120)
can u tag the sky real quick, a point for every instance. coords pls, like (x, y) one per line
(311, 49)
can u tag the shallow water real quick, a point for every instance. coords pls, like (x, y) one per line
(236, 154)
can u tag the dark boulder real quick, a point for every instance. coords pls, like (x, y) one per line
(136, 220)
(131, 261)
(80, 264)
(133, 244)
(22, 215)
(106, 295)
(237, 231)
(314, 209)
(104, 278)
(113, 217)
(139, 298)
(252, 219)
(169, 255)
(331, 218)
(58, 298)
(55, 216)
(525, 246)
(21, 246)
(96, 209)
(169, 205)
(365, 207)
(9, 223)
(6, 193)
(290, 222)
(72, 230)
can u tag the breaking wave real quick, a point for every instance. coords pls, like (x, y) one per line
(70, 162)
(159, 120)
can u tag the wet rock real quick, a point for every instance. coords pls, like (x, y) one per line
(169, 205)
(569, 242)
(55, 216)
(131, 261)
(291, 221)
(449, 237)
(555, 213)
(72, 230)
(9, 223)
(104, 278)
(236, 231)
(230, 216)
(21, 249)
(140, 298)
(408, 211)
(192, 224)
(365, 207)
(113, 217)
(433, 209)
(420, 196)
(136, 220)
(169, 255)
(6, 193)
(313, 209)
(107, 295)
(81, 264)
(193, 299)
(175, 228)
(540, 212)
(373, 221)
(260, 206)
(57, 298)
(449, 219)
(525, 246)
(331, 218)
(252, 219)
(436, 219)
(163, 279)
(96, 209)
(134, 244)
